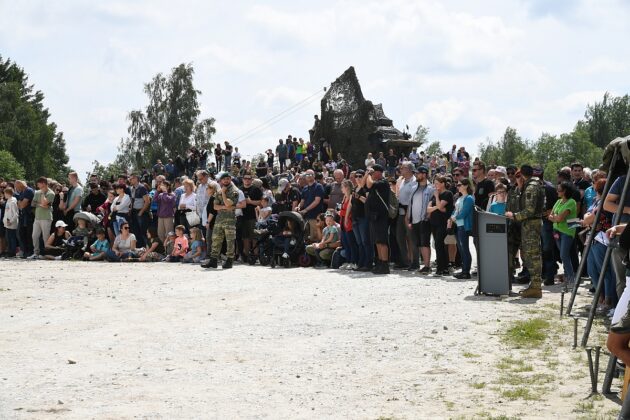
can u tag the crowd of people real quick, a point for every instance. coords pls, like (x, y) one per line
(396, 212)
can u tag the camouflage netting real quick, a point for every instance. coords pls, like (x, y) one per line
(353, 126)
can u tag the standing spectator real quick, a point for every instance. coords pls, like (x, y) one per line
(11, 221)
(211, 213)
(218, 156)
(72, 204)
(380, 160)
(141, 203)
(312, 201)
(281, 153)
(463, 218)
(288, 197)
(418, 216)
(95, 198)
(360, 224)
(565, 209)
(335, 196)
(270, 158)
(170, 170)
(225, 225)
(202, 198)
(227, 153)
(483, 185)
(24, 197)
(392, 163)
(378, 212)
(236, 157)
(369, 161)
(347, 237)
(253, 195)
(414, 157)
(187, 202)
(165, 200)
(120, 208)
(42, 201)
(158, 169)
(440, 209)
(407, 184)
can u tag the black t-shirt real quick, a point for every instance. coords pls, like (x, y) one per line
(358, 207)
(439, 218)
(284, 200)
(94, 201)
(581, 184)
(160, 247)
(374, 205)
(391, 161)
(210, 210)
(253, 193)
(482, 193)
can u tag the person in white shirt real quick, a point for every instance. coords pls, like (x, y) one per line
(202, 198)
(409, 252)
(188, 201)
(369, 161)
(121, 208)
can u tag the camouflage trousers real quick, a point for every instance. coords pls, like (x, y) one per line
(514, 243)
(531, 250)
(223, 229)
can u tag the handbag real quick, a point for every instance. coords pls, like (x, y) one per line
(192, 218)
(392, 211)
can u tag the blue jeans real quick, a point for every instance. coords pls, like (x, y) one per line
(463, 246)
(565, 245)
(549, 262)
(112, 257)
(282, 242)
(139, 226)
(594, 264)
(350, 247)
(361, 230)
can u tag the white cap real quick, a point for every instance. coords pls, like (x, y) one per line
(60, 223)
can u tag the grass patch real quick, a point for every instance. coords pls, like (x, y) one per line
(469, 355)
(536, 379)
(520, 393)
(514, 365)
(530, 333)
(478, 385)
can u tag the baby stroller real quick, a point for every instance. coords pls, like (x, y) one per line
(296, 248)
(76, 245)
(264, 242)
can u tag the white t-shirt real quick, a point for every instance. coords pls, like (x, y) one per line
(121, 205)
(124, 245)
(189, 201)
(264, 213)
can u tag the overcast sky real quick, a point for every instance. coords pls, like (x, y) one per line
(466, 70)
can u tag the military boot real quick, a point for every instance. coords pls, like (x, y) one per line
(227, 264)
(212, 263)
(531, 292)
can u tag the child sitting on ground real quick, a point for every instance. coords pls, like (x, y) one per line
(323, 250)
(197, 247)
(155, 251)
(169, 244)
(99, 248)
(180, 245)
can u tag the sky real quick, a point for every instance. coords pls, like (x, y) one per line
(466, 70)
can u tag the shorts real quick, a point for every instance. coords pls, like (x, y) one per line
(450, 240)
(247, 229)
(421, 234)
(379, 227)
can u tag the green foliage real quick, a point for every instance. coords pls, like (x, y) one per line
(9, 167)
(529, 333)
(607, 120)
(24, 128)
(168, 126)
(108, 172)
(511, 148)
(434, 149)
(421, 135)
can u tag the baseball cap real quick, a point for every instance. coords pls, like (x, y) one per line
(224, 175)
(60, 223)
(378, 167)
(282, 184)
(422, 169)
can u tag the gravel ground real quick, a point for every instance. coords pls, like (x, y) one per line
(114, 341)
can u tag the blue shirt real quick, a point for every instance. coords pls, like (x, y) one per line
(497, 208)
(309, 193)
(26, 213)
(617, 189)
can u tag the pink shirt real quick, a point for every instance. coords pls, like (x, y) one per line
(181, 246)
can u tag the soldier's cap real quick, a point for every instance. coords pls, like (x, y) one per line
(538, 171)
(422, 170)
(224, 175)
(360, 172)
(282, 184)
(378, 168)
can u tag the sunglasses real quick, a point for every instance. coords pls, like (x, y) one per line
(511, 173)
(358, 176)
(126, 228)
(457, 174)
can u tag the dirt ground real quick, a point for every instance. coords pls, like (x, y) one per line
(117, 341)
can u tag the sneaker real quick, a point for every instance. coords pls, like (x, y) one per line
(58, 258)
(462, 276)
(33, 257)
(413, 267)
(285, 256)
(425, 270)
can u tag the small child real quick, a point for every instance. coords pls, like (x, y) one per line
(323, 250)
(169, 244)
(99, 248)
(197, 247)
(155, 251)
(11, 220)
(180, 246)
(263, 213)
(81, 231)
(498, 207)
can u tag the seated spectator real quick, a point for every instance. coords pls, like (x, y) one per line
(323, 250)
(283, 241)
(197, 251)
(180, 245)
(263, 213)
(155, 250)
(98, 249)
(124, 246)
(54, 247)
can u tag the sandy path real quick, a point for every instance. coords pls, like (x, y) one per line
(166, 341)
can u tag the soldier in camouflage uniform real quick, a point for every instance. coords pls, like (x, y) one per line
(532, 202)
(514, 227)
(225, 200)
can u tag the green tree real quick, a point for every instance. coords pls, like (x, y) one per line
(607, 120)
(511, 148)
(24, 127)
(10, 168)
(422, 134)
(168, 126)
(434, 149)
